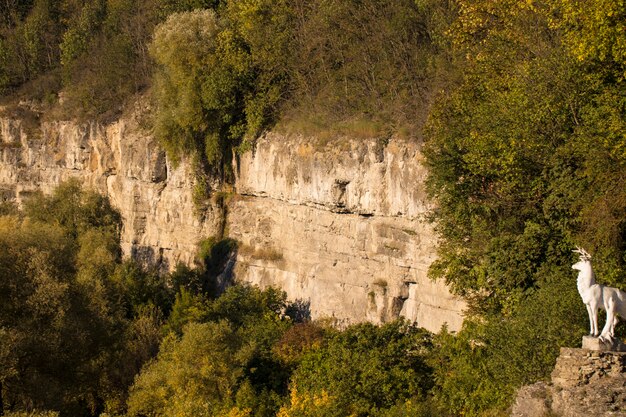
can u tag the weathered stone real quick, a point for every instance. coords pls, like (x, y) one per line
(349, 222)
(576, 367)
(339, 228)
(584, 383)
(594, 343)
(602, 398)
(532, 401)
(122, 161)
(342, 265)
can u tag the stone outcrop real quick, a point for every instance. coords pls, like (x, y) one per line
(340, 228)
(584, 383)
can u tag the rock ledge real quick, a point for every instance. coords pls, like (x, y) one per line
(584, 383)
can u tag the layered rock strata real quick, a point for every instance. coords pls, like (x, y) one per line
(122, 161)
(584, 383)
(340, 228)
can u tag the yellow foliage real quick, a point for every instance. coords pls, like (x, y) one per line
(237, 412)
(306, 405)
(595, 30)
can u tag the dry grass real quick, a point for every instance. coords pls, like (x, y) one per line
(30, 119)
(267, 253)
(380, 283)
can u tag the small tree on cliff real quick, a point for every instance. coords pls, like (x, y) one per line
(201, 74)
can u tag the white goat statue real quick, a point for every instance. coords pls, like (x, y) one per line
(595, 296)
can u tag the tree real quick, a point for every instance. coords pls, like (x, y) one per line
(202, 75)
(30, 34)
(194, 376)
(524, 153)
(594, 34)
(75, 210)
(363, 370)
(104, 56)
(218, 357)
(43, 315)
(66, 321)
(480, 369)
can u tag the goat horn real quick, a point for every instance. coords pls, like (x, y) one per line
(583, 253)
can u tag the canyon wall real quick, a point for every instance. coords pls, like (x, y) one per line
(339, 226)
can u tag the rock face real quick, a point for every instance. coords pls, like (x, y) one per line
(121, 161)
(340, 228)
(584, 383)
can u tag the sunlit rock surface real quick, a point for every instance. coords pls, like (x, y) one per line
(584, 383)
(340, 226)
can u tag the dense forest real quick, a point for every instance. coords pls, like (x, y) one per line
(521, 109)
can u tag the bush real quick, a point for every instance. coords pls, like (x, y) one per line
(363, 371)
(199, 86)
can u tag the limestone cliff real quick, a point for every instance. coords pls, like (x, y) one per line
(345, 225)
(119, 160)
(340, 228)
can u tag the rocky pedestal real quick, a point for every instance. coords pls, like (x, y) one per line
(597, 344)
(584, 383)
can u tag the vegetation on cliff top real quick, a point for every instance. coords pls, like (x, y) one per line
(521, 106)
(222, 72)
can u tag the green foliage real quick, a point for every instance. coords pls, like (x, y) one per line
(366, 63)
(188, 307)
(77, 37)
(526, 150)
(55, 327)
(514, 189)
(414, 407)
(298, 340)
(523, 154)
(221, 352)
(212, 258)
(8, 208)
(143, 288)
(104, 55)
(168, 7)
(29, 37)
(95, 51)
(481, 368)
(241, 304)
(201, 76)
(74, 210)
(207, 361)
(32, 414)
(366, 369)
(72, 339)
(137, 345)
(239, 70)
(225, 75)
(594, 34)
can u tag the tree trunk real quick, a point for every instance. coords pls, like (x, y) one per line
(1, 402)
